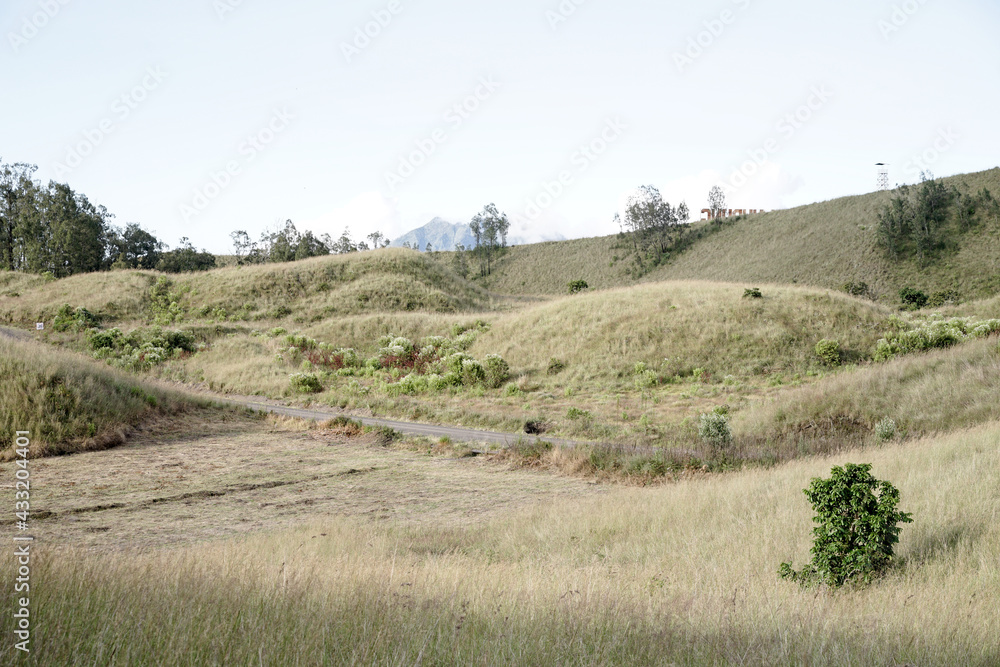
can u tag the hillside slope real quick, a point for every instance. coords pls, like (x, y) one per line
(825, 244)
(69, 403)
(830, 243)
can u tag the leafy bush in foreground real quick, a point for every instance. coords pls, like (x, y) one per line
(857, 527)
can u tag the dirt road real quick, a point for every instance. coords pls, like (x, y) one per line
(456, 433)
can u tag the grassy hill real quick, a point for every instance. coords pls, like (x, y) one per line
(320, 288)
(825, 245)
(69, 403)
(676, 327)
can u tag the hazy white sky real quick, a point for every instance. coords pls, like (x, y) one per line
(198, 117)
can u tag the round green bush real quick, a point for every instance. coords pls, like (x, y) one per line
(714, 429)
(857, 528)
(829, 351)
(305, 383)
(497, 370)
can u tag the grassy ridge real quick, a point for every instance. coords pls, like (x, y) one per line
(391, 279)
(682, 573)
(320, 288)
(71, 404)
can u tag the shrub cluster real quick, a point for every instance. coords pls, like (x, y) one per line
(857, 288)
(141, 349)
(936, 332)
(912, 298)
(435, 364)
(76, 320)
(752, 293)
(305, 383)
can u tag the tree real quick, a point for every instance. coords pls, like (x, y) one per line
(716, 202)
(132, 248)
(378, 240)
(310, 246)
(459, 263)
(76, 231)
(857, 527)
(489, 227)
(242, 246)
(344, 244)
(651, 224)
(16, 197)
(186, 258)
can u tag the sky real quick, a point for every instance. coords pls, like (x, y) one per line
(195, 118)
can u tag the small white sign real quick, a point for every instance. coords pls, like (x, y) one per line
(39, 326)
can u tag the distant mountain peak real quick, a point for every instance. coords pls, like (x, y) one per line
(441, 234)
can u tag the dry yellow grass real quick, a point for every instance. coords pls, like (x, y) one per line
(682, 573)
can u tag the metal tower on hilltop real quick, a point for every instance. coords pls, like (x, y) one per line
(883, 175)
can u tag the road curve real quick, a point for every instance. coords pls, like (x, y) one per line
(408, 428)
(456, 433)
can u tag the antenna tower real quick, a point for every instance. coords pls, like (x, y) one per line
(883, 176)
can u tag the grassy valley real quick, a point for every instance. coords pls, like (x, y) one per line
(704, 395)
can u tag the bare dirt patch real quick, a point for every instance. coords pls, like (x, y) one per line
(215, 475)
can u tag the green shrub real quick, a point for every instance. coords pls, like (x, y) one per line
(713, 428)
(576, 286)
(497, 370)
(305, 383)
(885, 429)
(940, 298)
(752, 293)
(646, 379)
(511, 389)
(934, 333)
(164, 303)
(858, 288)
(912, 298)
(67, 318)
(577, 413)
(277, 331)
(829, 351)
(110, 339)
(555, 366)
(473, 373)
(857, 528)
(384, 435)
